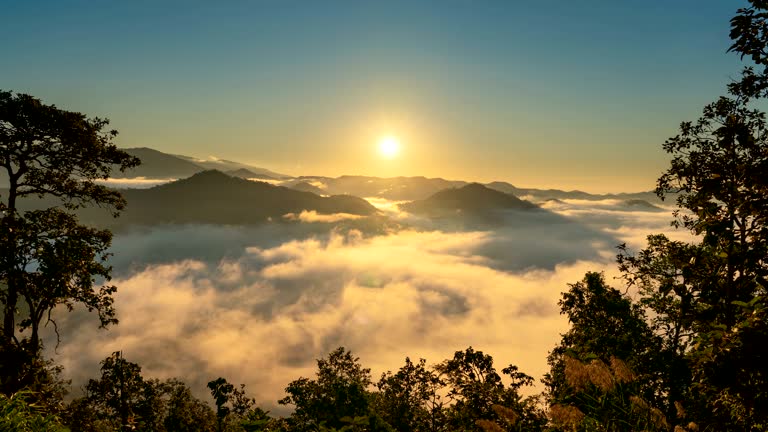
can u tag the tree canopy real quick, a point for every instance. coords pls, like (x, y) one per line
(47, 259)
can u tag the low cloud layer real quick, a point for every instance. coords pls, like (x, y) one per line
(313, 216)
(134, 183)
(258, 305)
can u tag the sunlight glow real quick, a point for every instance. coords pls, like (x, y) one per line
(389, 146)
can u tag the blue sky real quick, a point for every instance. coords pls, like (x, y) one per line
(551, 94)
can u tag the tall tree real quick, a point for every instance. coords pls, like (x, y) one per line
(711, 296)
(47, 259)
(337, 398)
(604, 323)
(410, 399)
(609, 358)
(122, 399)
(476, 391)
(233, 406)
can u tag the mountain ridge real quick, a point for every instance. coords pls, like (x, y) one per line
(473, 198)
(213, 197)
(160, 165)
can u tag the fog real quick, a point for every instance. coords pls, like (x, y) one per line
(258, 305)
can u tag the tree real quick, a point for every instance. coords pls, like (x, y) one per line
(608, 364)
(605, 324)
(233, 406)
(710, 297)
(749, 33)
(117, 395)
(221, 391)
(185, 412)
(337, 398)
(47, 259)
(410, 399)
(122, 399)
(477, 390)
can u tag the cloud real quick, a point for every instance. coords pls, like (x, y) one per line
(258, 305)
(262, 318)
(313, 216)
(135, 182)
(631, 225)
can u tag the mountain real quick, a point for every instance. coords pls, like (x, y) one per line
(305, 186)
(248, 174)
(226, 165)
(473, 198)
(212, 197)
(159, 165)
(419, 188)
(393, 188)
(548, 194)
(642, 205)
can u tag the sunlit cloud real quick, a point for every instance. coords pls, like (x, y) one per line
(313, 216)
(135, 182)
(263, 318)
(258, 305)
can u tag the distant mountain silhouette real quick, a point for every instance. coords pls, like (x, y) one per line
(642, 204)
(226, 165)
(419, 188)
(547, 194)
(248, 174)
(212, 197)
(473, 198)
(393, 188)
(307, 187)
(156, 164)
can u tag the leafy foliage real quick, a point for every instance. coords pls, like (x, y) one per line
(474, 388)
(123, 400)
(337, 395)
(17, 414)
(46, 258)
(410, 399)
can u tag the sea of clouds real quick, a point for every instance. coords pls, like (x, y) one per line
(258, 305)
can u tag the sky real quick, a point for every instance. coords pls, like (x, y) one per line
(574, 95)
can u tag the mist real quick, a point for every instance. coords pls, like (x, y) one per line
(257, 305)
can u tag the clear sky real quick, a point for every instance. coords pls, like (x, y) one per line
(563, 93)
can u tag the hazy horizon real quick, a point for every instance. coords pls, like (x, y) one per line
(577, 96)
(597, 189)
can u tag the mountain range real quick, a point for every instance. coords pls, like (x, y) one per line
(159, 165)
(212, 197)
(233, 196)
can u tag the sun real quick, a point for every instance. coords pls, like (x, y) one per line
(389, 146)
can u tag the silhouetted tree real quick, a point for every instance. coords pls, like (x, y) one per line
(609, 358)
(410, 399)
(122, 399)
(185, 412)
(337, 398)
(46, 258)
(117, 395)
(233, 406)
(474, 388)
(711, 296)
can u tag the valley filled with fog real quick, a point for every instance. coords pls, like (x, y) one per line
(259, 302)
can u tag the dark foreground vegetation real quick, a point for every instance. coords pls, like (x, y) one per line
(685, 352)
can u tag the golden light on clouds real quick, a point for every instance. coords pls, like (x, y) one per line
(389, 146)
